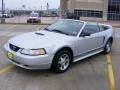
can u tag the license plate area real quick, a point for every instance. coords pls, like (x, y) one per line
(10, 55)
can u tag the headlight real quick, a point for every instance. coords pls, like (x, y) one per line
(33, 52)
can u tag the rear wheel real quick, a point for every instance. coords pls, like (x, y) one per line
(39, 21)
(108, 46)
(27, 21)
(62, 61)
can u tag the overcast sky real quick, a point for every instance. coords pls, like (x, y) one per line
(30, 4)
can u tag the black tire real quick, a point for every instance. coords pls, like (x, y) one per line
(27, 21)
(57, 61)
(39, 22)
(108, 46)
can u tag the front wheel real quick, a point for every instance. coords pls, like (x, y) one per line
(108, 46)
(62, 61)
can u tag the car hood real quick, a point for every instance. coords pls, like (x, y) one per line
(39, 39)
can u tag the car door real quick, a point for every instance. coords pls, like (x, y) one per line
(89, 39)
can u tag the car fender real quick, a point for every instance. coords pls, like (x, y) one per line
(60, 46)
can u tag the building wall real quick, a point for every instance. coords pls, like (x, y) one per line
(98, 5)
(89, 4)
(63, 7)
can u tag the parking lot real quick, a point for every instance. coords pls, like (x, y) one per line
(23, 19)
(88, 74)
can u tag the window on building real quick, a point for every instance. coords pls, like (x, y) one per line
(89, 13)
(114, 10)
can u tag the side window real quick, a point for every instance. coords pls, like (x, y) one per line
(103, 28)
(90, 29)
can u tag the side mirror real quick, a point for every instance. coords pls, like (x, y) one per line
(84, 34)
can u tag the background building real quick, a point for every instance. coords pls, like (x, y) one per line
(92, 9)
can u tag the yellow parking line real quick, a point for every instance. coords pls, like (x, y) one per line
(111, 73)
(5, 69)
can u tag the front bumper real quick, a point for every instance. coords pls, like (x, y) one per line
(30, 62)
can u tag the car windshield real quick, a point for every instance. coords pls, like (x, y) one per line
(34, 15)
(68, 27)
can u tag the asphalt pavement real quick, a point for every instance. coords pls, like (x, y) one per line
(88, 74)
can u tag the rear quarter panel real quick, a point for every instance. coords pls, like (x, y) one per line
(108, 33)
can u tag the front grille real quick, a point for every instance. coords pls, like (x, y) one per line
(32, 19)
(14, 48)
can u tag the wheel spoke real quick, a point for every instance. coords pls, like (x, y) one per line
(108, 47)
(63, 67)
(63, 62)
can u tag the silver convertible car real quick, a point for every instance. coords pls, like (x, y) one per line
(59, 45)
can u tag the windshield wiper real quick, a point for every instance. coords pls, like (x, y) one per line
(58, 31)
(47, 29)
